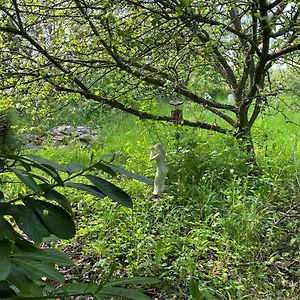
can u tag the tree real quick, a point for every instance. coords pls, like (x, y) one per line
(105, 50)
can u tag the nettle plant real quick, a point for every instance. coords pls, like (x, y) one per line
(32, 210)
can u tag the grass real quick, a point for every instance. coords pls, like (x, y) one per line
(236, 235)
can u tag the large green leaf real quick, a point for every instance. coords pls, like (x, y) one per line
(5, 208)
(5, 290)
(57, 220)
(6, 230)
(5, 247)
(5, 266)
(49, 255)
(47, 162)
(48, 169)
(132, 175)
(28, 220)
(77, 288)
(124, 293)
(110, 190)
(28, 180)
(106, 291)
(86, 188)
(133, 280)
(23, 280)
(74, 167)
(103, 167)
(42, 269)
(59, 198)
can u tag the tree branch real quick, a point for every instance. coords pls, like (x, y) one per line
(141, 114)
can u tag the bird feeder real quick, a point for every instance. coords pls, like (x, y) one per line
(176, 113)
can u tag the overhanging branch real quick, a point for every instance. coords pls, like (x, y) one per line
(141, 114)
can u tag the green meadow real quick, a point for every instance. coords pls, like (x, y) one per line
(230, 234)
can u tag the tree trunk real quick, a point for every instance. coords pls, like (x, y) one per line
(246, 145)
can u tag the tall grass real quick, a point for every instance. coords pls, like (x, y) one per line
(214, 224)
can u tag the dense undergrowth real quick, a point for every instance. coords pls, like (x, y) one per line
(235, 235)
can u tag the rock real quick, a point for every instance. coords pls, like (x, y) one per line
(65, 134)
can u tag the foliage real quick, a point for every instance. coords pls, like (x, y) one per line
(8, 139)
(123, 53)
(33, 210)
(216, 229)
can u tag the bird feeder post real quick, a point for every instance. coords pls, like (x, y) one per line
(177, 117)
(177, 113)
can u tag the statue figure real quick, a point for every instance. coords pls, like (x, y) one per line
(158, 154)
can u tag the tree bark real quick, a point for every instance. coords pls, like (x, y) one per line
(246, 145)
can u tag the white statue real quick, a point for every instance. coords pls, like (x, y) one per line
(158, 154)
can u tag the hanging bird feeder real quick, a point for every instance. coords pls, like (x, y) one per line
(177, 113)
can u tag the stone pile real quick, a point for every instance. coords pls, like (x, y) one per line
(65, 134)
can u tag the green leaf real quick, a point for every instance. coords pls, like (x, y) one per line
(86, 188)
(125, 293)
(112, 157)
(5, 248)
(185, 3)
(5, 266)
(179, 11)
(195, 291)
(5, 290)
(110, 190)
(133, 280)
(5, 208)
(49, 255)
(28, 221)
(47, 162)
(48, 169)
(26, 165)
(207, 294)
(103, 167)
(77, 288)
(60, 199)
(41, 269)
(74, 167)
(57, 220)
(6, 230)
(23, 280)
(28, 180)
(132, 175)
